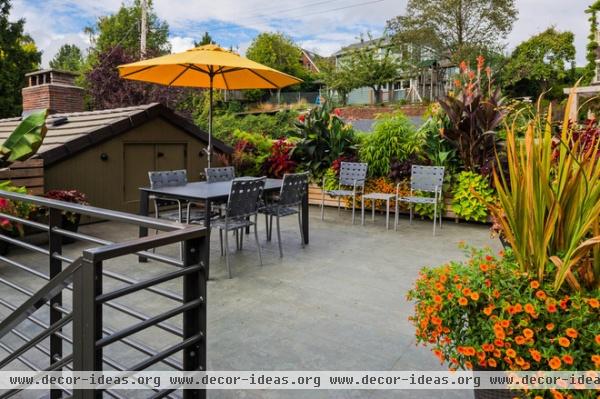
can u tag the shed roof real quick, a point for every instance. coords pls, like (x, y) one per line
(81, 130)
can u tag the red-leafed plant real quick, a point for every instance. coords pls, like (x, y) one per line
(280, 161)
(73, 196)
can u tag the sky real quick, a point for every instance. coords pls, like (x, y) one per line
(323, 26)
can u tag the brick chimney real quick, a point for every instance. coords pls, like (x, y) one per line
(54, 90)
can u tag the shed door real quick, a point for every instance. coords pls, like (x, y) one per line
(139, 159)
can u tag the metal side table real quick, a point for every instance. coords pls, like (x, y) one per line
(378, 197)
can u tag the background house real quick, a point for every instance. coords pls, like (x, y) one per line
(107, 154)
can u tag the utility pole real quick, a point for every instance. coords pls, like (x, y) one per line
(143, 28)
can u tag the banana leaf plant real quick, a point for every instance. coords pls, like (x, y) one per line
(25, 140)
(475, 112)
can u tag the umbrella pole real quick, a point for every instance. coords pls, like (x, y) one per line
(210, 106)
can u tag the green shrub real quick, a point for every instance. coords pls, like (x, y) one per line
(251, 152)
(394, 137)
(278, 125)
(471, 196)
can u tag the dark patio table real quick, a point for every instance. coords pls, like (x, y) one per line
(208, 193)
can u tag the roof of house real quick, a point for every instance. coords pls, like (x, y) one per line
(71, 133)
(382, 41)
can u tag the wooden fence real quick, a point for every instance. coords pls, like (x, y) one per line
(29, 173)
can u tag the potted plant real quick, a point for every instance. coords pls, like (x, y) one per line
(486, 314)
(14, 208)
(70, 220)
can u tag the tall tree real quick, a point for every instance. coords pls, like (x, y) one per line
(543, 62)
(277, 51)
(373, 65)
(455, 28)
(18, 55)
(122, 29)
(206, 39)
(68, 58)
(339, 79)
(593, 46)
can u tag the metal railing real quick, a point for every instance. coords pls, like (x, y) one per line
(78, 323)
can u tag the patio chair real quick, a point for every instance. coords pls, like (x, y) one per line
(288, 202)
(214, 175)
(172, 178)
(426, 179)
(352, 174)
(243, 203)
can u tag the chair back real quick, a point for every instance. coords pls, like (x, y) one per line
(167, 178)
(351, 172)
(214, 175)
(244, 197)
(293, 189)
(427, 178)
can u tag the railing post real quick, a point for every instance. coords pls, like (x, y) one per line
(194, 320)
(87, 321)
(55, 267)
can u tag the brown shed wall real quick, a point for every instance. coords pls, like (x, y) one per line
(105, 181)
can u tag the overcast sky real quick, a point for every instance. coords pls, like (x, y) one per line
(319, 25)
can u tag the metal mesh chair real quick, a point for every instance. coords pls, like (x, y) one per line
(242, 204)
(426, 179)
(352, 174)
(172, 178)
(214, 175)
(289, 202)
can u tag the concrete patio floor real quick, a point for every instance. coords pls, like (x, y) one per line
(338, 304)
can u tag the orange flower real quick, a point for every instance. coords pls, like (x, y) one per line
(437, 299)
(480, 62)
(536, 355)
(519, 340)
(540, 295)
(534, 284)
(528, 333)
(529, 309)
(571, 332)
(505, 323)
(496, 294)
(462, 301)
(474, 296)
(488, 310)
(593, 302)
(466, 291)
(520, 361)
(564, 342)
(439, 286)
(568, 359)
(550, 326)
(487, 347)
(469, 365)
(596, 360)
(597, 339)
(518, 308)
(551, 308)
(492, 362)
(556, 394)
(450, 296)
(500, 335)
(511, 353)
(499, 343)
(554, 363)
(484, 267)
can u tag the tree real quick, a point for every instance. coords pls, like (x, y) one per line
(68, 58)
(543, 62)
(123, 30)
(277, 51)
(372, 65)
(338, 79)
(593, 45)
(107, 90)
(455, 28)
(206, 39)
(18, 55)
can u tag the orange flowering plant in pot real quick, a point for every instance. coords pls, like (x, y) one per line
(486, 313)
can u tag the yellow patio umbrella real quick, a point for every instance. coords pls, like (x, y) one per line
(208, 66)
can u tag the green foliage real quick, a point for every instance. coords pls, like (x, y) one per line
(373, 65)
(592, 46)
(339, 79)
(541, 63)
(206, 39)
(123, 29)
(393, 137)
(325, 137)
(20, 209)
(330, 180)
(281, 124)
(18, 55)
(251, 152)
(277, 51)
(437, 149)
(68, 58)
(25, 140)
(471, 196)
(454, 27)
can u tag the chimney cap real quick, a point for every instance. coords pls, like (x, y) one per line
(60, 71)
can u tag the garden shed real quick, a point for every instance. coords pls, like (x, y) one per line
(107, 154)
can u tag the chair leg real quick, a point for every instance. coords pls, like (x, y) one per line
(396, 216)
(441, 214)
(339, 205)
(241, 239)
(362, 212)
(434, 217)
(373, 211)
(227, 254)
(221, 240)
(156, 215)
(270, 227)
(353, 207)
(410, 213)
(300, 224)
(387, 214)
(267, 227)
(323, 204)
(237, 239)
(279, 238)
(257, 241)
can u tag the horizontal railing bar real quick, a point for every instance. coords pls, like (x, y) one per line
(24, 244)
(143, 243)
(100, 213)
(140, 316)
(27, 222)
(166, 293)
(37, 339)
(147, 283)
(148, 323)
(37, 321)
(167, 352)
(62, 258)
(96, 240)
(60, 363)
(23, 267)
